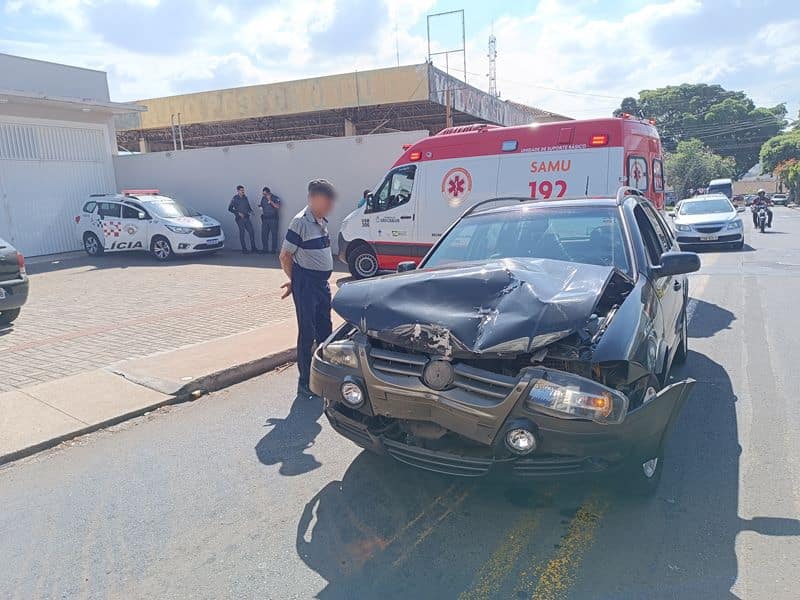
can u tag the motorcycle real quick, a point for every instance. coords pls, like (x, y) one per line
(761, 217)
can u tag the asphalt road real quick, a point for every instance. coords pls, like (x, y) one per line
(248, 494)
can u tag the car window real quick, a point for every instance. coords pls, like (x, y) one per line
(662, 231)
(89, 206)
(658, 175)
(649, 236)
(394, 191)
(700, 207)
(637, 173)
(108, 209)
(129, 212)
(591, 235)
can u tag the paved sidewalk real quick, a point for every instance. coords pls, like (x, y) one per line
(84, 314)
(82, 359)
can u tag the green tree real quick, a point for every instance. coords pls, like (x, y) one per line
(693, 165)
(779, 149)
(727, 122)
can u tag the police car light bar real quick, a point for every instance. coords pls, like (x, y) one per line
(143, 192)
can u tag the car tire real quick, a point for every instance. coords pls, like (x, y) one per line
(739, 245)
(92, 244)
(362, 262)
(642, 477)
(682, 353)
(9, 316)
(160, 248)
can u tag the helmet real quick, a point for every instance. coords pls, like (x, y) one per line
(762, 191)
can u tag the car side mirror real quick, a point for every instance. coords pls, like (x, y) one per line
(142, 216)
(406, 265)
(677, 263)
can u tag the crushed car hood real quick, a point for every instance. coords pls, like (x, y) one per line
(508, 306)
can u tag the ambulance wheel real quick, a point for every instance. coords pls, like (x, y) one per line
(92, 245)
(161, 248)
(362, 262)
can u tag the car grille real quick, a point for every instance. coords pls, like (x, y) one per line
(709, 229)
(440, 462)
(734, 237)
(207, 232)
(474, 380)
(534, 466)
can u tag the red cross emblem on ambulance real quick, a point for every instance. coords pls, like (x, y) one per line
(456, 186)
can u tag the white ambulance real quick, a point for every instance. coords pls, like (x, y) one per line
(145, 220)
(439, 177)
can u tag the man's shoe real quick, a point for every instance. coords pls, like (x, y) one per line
(245, 251)
(304, 391)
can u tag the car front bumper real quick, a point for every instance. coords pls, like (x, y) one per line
(16, 293)
(694, 238)
(191, 244)
(476, 426)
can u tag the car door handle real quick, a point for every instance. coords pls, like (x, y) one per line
(405, 217)
(676, 285)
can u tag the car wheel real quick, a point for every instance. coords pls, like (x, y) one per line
(161, 248)
(739, 245)
(92, 245)
(362, 262)
(9, 316)
(683, 346)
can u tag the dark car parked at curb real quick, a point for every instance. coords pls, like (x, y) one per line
(13, 283)
(535, 339)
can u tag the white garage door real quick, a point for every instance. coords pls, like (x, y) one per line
(46, 172)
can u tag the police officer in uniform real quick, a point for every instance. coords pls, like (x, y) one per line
(308, 263)
(240, 208)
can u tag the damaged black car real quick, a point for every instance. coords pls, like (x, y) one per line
(535, 339)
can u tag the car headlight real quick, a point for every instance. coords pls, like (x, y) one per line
(737, 224)
(683, 228)
(341, 353)
(178, 229)
(573, 397)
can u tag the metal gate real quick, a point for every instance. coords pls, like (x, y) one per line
(46, 172)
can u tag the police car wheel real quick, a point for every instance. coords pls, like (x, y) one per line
(362, 262)
(92, 245)
(8, 316)
(161, 248)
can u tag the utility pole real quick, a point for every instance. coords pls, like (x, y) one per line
(493, 66)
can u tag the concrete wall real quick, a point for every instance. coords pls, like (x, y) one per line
(52, 79)
(366, 88)
(206, 178)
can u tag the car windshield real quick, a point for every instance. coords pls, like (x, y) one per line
(702, 207)
(171, 209)
(591, 235)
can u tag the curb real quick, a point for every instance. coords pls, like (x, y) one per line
(188, 392)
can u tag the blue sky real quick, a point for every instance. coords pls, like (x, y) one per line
(577, 58)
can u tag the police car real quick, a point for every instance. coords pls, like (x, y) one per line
(145, 220)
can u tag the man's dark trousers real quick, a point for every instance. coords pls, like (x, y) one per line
(244, 224)
(269, 227)
(312, 302)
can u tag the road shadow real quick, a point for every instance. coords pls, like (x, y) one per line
(289, 440)
(706, 319)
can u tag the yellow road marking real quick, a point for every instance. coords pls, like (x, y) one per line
(490, 577)
(560, 571)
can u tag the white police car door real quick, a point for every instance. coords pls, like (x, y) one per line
(110, 214)
(134, 229)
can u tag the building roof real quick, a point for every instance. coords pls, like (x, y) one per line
(11, 97)
(403, 98)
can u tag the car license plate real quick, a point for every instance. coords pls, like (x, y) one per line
(708, 238)
(2, 294)
(212, 242)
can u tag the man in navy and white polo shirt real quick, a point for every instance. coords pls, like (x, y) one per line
(307, 261)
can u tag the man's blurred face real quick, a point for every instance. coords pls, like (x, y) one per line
(241, 192)
(321, 204)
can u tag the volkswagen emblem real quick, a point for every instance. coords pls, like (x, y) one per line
(438, 374)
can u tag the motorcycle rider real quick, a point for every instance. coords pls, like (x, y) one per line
(761, 200)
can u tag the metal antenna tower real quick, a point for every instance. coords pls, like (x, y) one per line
(493, 66)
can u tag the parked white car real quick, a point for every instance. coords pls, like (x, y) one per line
(145, 220)
(708, 220)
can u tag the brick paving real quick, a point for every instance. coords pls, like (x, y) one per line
(87, 313)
